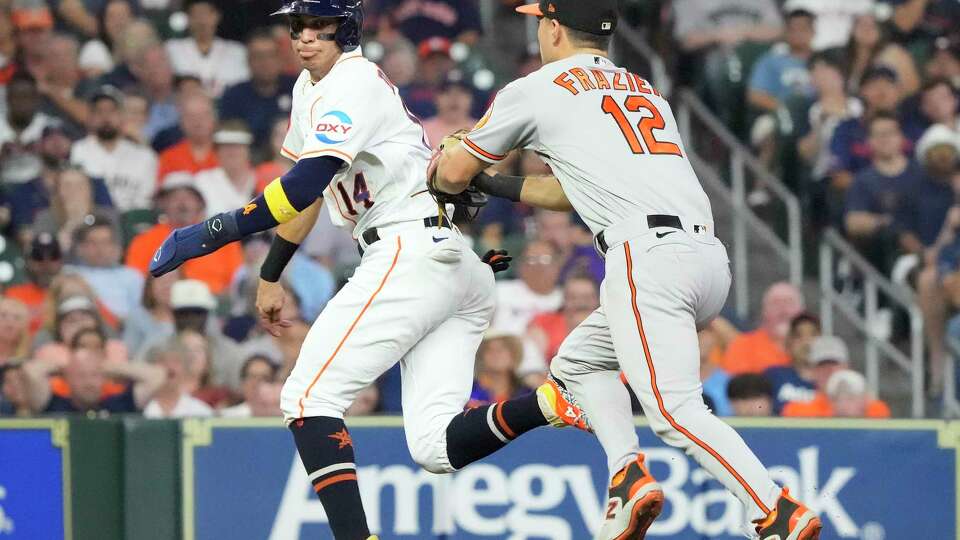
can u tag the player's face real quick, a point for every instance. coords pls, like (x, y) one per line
(310, 39)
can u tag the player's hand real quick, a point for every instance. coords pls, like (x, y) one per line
(270, 298)
(498, 259)
(194, 241)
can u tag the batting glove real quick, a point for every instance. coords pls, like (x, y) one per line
(498, 259)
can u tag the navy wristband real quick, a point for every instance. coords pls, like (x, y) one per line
(500, 185)
(281, 251)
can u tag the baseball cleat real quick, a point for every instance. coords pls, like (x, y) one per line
(559, 406)
(636, 500)
(789, 520)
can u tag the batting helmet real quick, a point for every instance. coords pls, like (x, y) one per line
(351, 11)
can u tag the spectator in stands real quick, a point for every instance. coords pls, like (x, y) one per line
(930, 198)
(34, 24)
(256, 376)
(498, 358)
(266, 96)
(218, 63)
(366, 403)
(435, 64)
(129, 169)
(73, 205)
(28, 199)
(849, 148)
(832, 106)
(548, 330)
(944, 62)
(63, 287)
(75, 314)
(284, 344)
(705, 25)
(136, 111)
(61, 83)
(399, 63)
(43, 263)
(14, 400)
(196, 152)
(98, 251)
(876, 201)
(180, 204)
(795, 382)
(713, 378)
(277, 165)
(193, 309)
(14, 330)
(138, 37)
(925, 20)
(172, 399)
(453, 103)
(849, 398)
(100, 54)
(154, 315)
(750, 395)
(940, 105)
(196, 380)
(828, 355)
(78, 15)
(781, 74)
(835, 20)
(535, 292)
(154, 76)
(869, 47)
(20, 130)
(232, 184)
(86, 374)
(754, 352)
(417, 20)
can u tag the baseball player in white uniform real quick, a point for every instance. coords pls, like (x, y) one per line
(617, 159)
(420, 296)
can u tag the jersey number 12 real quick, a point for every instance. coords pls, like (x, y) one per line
(645, 127)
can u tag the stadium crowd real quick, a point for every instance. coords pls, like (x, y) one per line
(121, 120)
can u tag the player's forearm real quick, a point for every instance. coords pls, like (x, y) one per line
(539, 191)
(455, 170)
(289, 237)
(297, 229)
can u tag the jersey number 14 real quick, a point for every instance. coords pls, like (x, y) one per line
(361, 195)
(646, 125)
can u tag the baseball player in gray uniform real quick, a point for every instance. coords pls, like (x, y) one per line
(613, 145)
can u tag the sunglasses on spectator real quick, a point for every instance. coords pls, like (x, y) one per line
(298, 24)
(538, 260)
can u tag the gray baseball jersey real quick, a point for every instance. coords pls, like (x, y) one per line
(610, 138)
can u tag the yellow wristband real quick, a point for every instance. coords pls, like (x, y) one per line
(277, 202)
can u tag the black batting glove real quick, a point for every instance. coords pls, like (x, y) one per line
(498, 259)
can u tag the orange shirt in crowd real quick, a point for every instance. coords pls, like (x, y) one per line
(215, 269)
(267, 172)
(820, 407)
(753, 352)
(180, 158)
(554, 326)
(116, 352)
(34, 298)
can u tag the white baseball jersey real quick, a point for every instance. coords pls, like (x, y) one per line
(609, 137)
(355, 114)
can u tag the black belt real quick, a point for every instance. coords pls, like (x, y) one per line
(372, 236)
(653, 221)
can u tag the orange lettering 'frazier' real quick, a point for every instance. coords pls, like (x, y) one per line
(563, 80)
(601, 79)
(617, 83)
(584, 79)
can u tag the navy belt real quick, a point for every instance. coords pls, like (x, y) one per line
(372, 236)
(653, 221)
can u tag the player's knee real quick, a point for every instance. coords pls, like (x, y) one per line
(432, 458)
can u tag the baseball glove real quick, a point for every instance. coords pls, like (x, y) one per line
(469, 201)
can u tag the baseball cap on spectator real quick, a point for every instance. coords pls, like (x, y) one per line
(936, 135)
(192, 294)
(456, 78)
(232, 134)
(53, 126)
(31, 15)
(828, 349)
(107, 91)
(846, 381)
(45, 247)
(76, 303)
(179, 180)
(434, 45)
(878, 72)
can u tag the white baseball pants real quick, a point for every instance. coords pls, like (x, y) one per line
(656, 294)
(420, 296)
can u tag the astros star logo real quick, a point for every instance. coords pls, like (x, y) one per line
(343, 439)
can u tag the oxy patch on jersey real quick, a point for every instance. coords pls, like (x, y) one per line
(333, 127)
